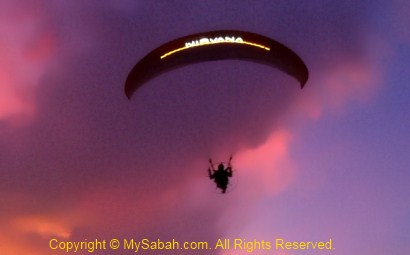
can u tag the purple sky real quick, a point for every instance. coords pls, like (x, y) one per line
(79, 160)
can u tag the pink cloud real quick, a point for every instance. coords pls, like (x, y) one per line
(26, 45)
(349, 81)
(352, 80)
(44, 226)
(31, 233)
(40, 48)
(264, 171)
(268, 168)
(11, 101)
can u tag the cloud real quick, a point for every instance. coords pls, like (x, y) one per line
(94, 166)
(44, 226)
(31, 233)
(27, 43)
(267, 169)
(351, 81)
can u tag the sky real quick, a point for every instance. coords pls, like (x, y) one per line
(79, 160)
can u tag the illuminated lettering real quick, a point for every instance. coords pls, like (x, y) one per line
(220, 39)
(230, 39)
(204, 41)
(215, 40)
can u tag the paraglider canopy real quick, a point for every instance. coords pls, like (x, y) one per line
(216, 45)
